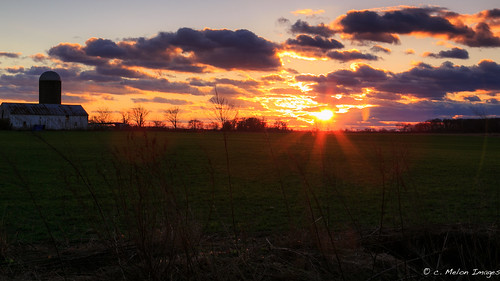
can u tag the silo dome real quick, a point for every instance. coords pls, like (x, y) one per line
(49, 88)
(50, 76)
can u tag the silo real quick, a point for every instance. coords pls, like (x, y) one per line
(49, 88)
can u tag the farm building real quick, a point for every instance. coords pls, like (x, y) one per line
(49, 113)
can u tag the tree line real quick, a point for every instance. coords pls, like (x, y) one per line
(472, 125)
(223, 116)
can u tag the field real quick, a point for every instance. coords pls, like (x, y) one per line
(63, 188)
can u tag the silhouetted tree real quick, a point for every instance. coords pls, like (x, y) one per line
(125, 114)
(252, 124)
(138, 115)
(223, 111)
(103, 115)
(280, 125)
(172, 115)
(158, 124)
(195, 124)
(213, 126)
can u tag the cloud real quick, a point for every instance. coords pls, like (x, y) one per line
(68, 52)
(15, 69)
(455, 53)
(162, 85)
(39, 57)
(104, 48)
(433, 21)
(425, 81)
(421, 81)
(410, 51)
(493, 14)
(161, 100)
(351, 55)
(273, 78)
(472, 98)
(378, 48)
(315, 42)
(303, 27)
(186, 50)
(10, 55)
(308, 12)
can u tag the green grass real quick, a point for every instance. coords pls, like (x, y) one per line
(449, 179)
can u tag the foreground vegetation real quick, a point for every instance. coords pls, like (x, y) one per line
(183, 204)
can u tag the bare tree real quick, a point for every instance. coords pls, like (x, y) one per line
(125, 114)
(138, 115)
(158, 124)
(172, 115)
(223, 111)
(195, 124)
(103, 115)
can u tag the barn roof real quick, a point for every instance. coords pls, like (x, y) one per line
(44, 109)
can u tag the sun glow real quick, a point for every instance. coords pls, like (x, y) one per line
(324, 115)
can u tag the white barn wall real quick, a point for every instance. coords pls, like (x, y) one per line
(50, 122)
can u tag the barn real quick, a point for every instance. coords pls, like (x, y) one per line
(49, 113)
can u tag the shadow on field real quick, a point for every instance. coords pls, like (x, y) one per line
(148, 222)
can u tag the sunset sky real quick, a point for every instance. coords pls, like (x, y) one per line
(372, 63)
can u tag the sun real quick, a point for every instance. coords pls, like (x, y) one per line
(324, 115)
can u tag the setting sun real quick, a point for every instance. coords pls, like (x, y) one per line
(324, 115)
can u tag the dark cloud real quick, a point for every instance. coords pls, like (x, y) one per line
(186, 50)
(303, 27)
(435, 82)
(345, 56)
(383, 26)
(273, 78)
(404, 21)
(162, 85)
(244, 84)
(378, 48)
(19, 69)
(10, 55)
(74, 99)
(425, 110)
(455, 53)
(481, 37)
(346, 81)
(316, 42)
(240, 49)
(494, 13)
(92, 75)
(74, 53)
(104, 48)
(161, 100)
(119, 71)
(283, 21)
(422, 81)
(383, 37)
(472, 98)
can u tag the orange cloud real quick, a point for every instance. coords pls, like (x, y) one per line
(308, 12)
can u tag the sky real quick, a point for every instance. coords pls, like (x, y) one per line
(372, 64)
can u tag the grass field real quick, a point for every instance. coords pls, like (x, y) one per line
(445, 178)
(67, 185)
